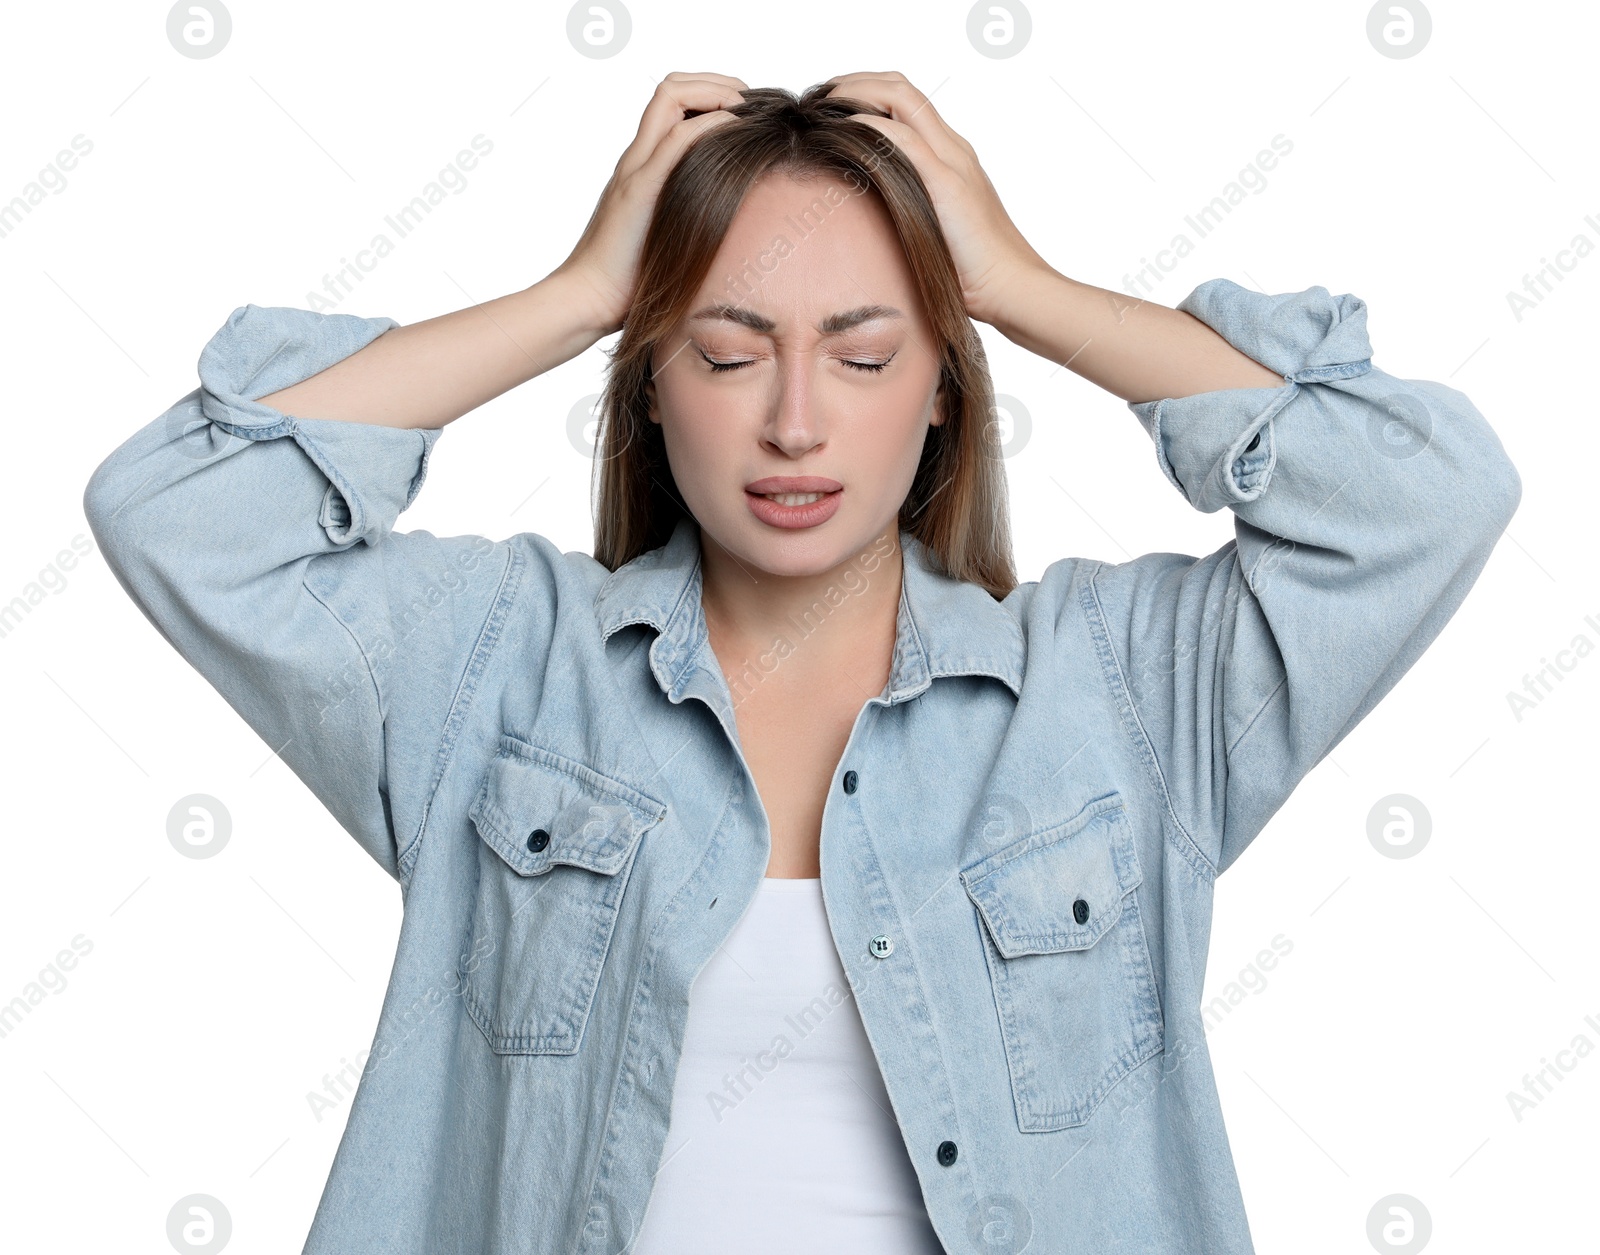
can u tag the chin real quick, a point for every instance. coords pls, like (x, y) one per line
(802, 552)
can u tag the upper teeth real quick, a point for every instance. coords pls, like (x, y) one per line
(794, 498)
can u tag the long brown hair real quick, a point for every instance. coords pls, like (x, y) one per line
(957, 505)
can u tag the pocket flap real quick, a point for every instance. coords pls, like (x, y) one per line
(587, 820)
(1028, 892)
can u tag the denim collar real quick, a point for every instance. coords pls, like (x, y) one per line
(945, 626)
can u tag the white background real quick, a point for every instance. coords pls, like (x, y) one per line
(1374, 1059)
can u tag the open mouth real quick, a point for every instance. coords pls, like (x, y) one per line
(793, 509)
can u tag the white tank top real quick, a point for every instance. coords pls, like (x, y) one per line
(781, 1138)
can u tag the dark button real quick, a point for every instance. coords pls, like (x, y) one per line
(1253, 443)
(538, 839)
(947, 1153)
(1080, 911)
(849, 782)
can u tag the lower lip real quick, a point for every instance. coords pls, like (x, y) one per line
(776, 515)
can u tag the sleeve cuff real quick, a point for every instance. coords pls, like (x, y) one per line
(374, 472)
(1219, 448)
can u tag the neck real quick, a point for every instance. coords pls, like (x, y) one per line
(845, 616)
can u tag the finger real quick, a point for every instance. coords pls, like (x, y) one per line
(666, 109)
(904, 102)
(726, 79)
(674, 96)
(842, 82)
(678, 138)
(933, 168)
(839, 78)
(897, 96)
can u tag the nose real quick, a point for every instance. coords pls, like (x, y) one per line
(794, 424)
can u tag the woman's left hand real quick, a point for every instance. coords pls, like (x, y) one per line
(990, 254)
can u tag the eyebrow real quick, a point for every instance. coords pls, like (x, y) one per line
(833, 324)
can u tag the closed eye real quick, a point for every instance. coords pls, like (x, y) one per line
(718, 367)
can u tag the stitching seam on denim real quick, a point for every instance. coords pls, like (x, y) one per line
(466, 690)
(1103, 640)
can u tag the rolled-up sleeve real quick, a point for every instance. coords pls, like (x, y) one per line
(1365, 507)
(374, 472)
(1223, 454)
(262, 546)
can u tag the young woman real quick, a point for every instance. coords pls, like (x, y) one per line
(787, 876)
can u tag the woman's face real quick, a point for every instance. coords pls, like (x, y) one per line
(806, 356)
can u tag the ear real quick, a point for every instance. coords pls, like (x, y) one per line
(939, 413)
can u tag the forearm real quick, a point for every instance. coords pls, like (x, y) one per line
(430, 373)
(1138, 350)
(1365, 506)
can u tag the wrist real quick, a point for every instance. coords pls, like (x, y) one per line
(593, 311)
(1028, 288)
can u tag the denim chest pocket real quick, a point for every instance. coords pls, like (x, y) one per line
(558, 843)
(1069, 963)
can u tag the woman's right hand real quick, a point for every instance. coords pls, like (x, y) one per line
(429, 373)
(606, 257)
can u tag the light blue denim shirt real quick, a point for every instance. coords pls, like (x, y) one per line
(1018, 844)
